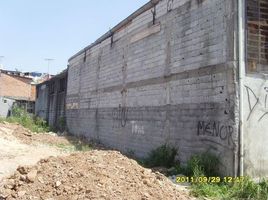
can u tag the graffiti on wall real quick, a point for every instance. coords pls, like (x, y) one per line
(137, 129)
(254, 100)
(217, 130)
(170, 5)
(120, 117)
(72, 106)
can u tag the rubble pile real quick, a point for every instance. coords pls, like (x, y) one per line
(96, 174)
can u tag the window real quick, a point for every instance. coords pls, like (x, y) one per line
(257, 36)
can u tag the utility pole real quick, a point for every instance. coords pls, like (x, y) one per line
(1, 59)
(48, 63)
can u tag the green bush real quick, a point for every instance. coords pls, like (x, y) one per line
(205, 164)
(62, 123)
(76, 146)
(163, 156)
(246, 189)
(35, 124)
(211, 191)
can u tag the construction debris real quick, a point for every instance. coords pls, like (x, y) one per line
(95, 174)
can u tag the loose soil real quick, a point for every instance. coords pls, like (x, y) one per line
(95, 174)
(14, 152)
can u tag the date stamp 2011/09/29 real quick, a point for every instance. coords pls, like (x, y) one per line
(204, 179)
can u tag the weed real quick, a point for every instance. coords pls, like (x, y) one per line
(205, 164)
(65, 147)
(163, 156)
(62, 123)
(212, 191)
(130, 153)
(2, 119)
(246, 189)
(75, 145)
(82, 147)
(35, 124)
(176, 169)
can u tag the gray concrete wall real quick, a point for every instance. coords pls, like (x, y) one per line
(172, 82)
(57, 109)
(5, 106)
(50, 106)
(41, 102)
(56, 104)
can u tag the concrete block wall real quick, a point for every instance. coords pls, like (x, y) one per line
(50, 106)
(56, 104)
(173, 82)
(56, 116)
(41, 102)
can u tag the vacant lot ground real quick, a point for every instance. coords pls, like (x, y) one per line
(94, 174)
(15, 152)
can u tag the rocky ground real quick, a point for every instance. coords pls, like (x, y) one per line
(95, 174)
(15, 152)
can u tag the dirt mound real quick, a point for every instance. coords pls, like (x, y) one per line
(27, 137)
(92, 175)
(13, 152)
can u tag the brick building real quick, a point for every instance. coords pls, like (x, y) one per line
(18, 88)
(190, 73)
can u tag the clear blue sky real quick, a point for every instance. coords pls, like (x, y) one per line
(31, 30)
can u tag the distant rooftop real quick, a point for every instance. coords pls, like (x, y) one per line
(36, 77)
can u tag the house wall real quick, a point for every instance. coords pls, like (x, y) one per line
(5, 106)
(255, 125)
(255, 89)
(33, 92)
(170, 82)
(16, 87)
(57, 102)
(41, 103)
(50, 106)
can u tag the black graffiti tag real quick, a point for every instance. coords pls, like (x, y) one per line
(254, 100)
(216, 129)
(120, 115)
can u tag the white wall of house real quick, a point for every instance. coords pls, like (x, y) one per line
(5, 106)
